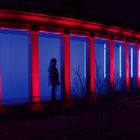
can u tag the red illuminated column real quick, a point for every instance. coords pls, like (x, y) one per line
(92, 65)
(111, 47)
(127, 66)
(35, 67)
(66, 63)
(138, 65)
(0, 86)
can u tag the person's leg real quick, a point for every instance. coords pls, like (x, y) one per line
(53, 93)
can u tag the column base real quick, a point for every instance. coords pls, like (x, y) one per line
(93, 99)
(68, 102)
(36, 100)
(37, 107)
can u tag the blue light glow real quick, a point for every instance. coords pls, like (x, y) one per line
(131, 57)
(49, 47)
(139, 64)
(85, 59)
(104, 60)
(120, 58)
(77, 64)
(14, 55)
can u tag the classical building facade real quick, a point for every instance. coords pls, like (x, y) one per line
(91, 58)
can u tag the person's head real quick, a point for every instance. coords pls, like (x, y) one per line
(53, 61)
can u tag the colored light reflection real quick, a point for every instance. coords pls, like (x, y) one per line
(131, 61)
(85, 59)
(35, 68)
(139, 63)
(104, 60)
(120, 59)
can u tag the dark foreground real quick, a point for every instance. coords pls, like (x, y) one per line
(109, 118)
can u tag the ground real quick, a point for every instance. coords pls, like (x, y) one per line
(110, 118)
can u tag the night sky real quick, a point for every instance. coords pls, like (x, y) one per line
(123, 13)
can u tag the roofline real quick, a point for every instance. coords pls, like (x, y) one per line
(29, 17)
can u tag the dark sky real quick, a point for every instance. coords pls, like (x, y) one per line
(123, 13)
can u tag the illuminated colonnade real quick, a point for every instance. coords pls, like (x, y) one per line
(35, 24)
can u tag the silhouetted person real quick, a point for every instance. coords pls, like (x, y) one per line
(53, 77)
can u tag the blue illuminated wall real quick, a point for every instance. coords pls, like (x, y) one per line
(15, 64)
(123, 80)
(14, 54)
(49, 47)
(133, 65)
(117, 66)
(101, 65)
(78, 61)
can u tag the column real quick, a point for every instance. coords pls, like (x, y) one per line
(35, 67)
(0, 87)
(91, 64)
(111, 64)
(65, 43)
(138, 60)
(127, 66)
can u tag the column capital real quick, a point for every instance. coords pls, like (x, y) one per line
(79, 32)
(66, 35)
(34, 27)
(125, 43)
(138, 45)
(111, 41)
(112, 36)
(91, 38)
(92, 34)
(138, 42)
(33, 32)
(66, 31)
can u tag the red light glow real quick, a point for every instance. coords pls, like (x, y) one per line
(138, 65)
(127, 66)
(35, 68)
(30, 18)
(67, 66)
(92, 66)
(111, 43)
(0, 87)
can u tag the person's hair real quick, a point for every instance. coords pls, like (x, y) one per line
(53, 60)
